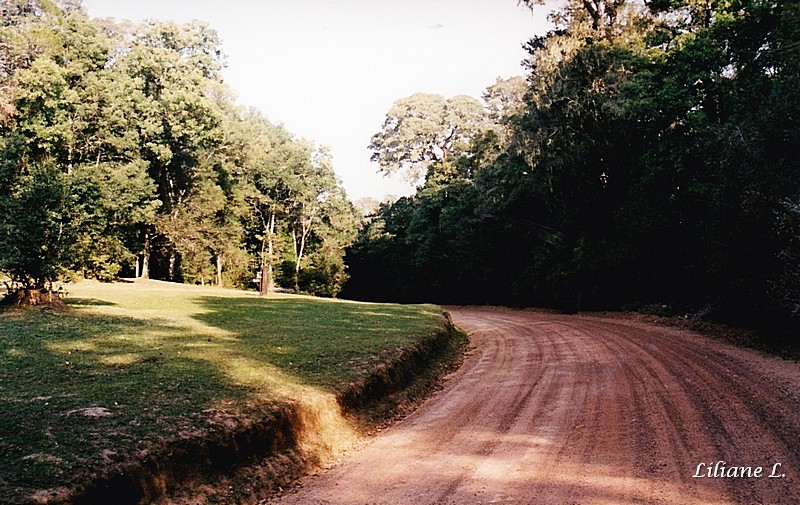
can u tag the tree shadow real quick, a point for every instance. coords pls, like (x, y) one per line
(91, 302)
(83, 390)
(80, 391)
(337, 347)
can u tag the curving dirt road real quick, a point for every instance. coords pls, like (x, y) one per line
(559, 409)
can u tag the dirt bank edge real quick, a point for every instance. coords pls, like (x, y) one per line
(404, 377)
(247, 459)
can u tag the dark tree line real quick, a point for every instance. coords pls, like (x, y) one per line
(651, 159)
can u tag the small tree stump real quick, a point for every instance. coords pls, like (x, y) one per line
(44, 298)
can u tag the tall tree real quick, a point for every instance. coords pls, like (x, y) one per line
(265, 178)
(640, 171)
(177, 69)
(423, 130)
(70, 114)
(37, 232)
(313, 183)
(321, 222)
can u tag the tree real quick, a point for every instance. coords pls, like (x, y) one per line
(425, 129)
(37, 232)
(149, 160)
(114, 200)
(598, 18)
(786, 288)
(297, 210)
(313, 183)
(26, 33)
(264, 177)
(192, 229)
(505, 98)
(322, 223)
(338, 230)
(70, 115)
(177, 71)
(439, 243)
(639, 171)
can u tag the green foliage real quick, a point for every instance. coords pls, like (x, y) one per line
(646, 164)
(423, 130)
(160, 174)
(37, 229)
(110, 202)
(786, 288)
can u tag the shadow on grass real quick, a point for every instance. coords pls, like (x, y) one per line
(80, 391)
(83, 390)
(321, 343)
(90, 302)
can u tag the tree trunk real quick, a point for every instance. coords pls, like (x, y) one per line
(298, 254)
(219, 270)
(267, 252)
(266, 266)
(146, 257)
(300, 247)
(266, 279)
(172, 266)
(35, 297)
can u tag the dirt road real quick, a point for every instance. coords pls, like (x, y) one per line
(558, 409)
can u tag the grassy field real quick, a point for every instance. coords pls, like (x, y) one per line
(131, 364)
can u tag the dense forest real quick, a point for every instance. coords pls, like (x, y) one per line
(122, 154)
(649, 160)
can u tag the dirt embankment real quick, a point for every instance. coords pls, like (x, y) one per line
(242, 458)
(571, 409)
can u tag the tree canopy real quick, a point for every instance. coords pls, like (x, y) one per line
(122, 153)
(648, 160)
(426, 129)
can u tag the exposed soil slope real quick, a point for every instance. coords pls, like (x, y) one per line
(558, 409)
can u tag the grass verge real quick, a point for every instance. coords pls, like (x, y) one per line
(135, 372)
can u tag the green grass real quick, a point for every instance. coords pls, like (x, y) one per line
(159, 357)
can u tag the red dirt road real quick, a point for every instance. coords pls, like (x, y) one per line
(565, 409)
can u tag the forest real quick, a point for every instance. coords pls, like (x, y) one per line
(648, 160)
(123, 154)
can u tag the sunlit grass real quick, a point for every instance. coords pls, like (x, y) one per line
(157, 356)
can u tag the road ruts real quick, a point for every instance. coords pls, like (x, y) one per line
(566, 409)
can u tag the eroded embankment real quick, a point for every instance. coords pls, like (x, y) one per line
(244, 456)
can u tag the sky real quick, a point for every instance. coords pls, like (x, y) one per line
(329, 70)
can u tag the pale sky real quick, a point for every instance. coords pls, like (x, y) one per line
(329, 70)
